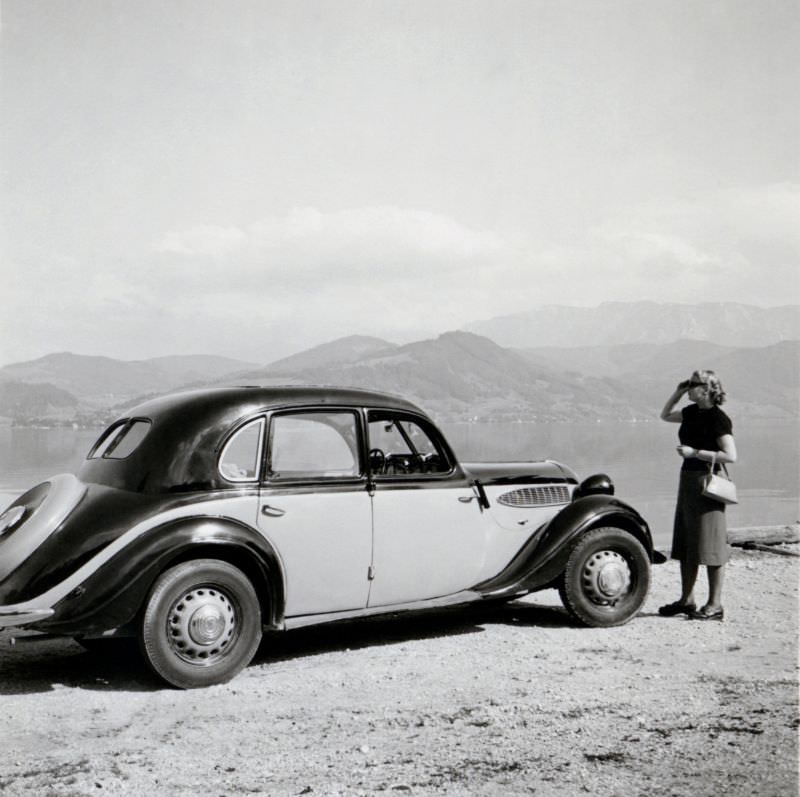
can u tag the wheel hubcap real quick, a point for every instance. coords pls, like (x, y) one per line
(201, 626)
(606, 577)
(206, 625)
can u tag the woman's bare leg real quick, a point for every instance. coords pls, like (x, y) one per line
(716, 576)
(688, 579)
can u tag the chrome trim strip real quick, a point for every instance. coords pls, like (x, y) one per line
(465, 596)
(21, 614)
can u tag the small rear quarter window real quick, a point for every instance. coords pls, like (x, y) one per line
(240, 460)
(121, 439)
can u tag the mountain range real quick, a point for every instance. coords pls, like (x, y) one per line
(458, 375)
(761, 380)
(104, 380)
(461, 375)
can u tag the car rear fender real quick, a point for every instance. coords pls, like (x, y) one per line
(113, 595)
(544, 556)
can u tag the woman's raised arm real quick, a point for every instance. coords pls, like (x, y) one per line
(669, 413)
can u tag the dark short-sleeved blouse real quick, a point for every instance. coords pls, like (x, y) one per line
(701, 429)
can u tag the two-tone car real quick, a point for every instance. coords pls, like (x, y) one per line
(201, 520)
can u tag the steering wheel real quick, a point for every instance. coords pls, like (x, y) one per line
(377, 459)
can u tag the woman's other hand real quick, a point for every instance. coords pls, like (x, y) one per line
(686, 451)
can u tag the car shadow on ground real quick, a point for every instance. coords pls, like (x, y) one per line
(46, 665)
(392, 629)
(38, 665)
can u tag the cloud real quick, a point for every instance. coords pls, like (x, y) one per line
(202, 240)
(728, 245)
(714, 224)
(641, 246)
(715, 246)
(280, 284)
(353, 241)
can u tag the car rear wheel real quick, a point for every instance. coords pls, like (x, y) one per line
(606, 578)
(201, 624)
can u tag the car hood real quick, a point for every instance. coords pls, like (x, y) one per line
(519, 472)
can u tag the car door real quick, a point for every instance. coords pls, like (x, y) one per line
(429, 533)
(315, 509)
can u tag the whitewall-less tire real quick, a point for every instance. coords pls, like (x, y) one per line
(201, 624)
(606, 579)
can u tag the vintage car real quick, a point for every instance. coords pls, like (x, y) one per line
(200, 520)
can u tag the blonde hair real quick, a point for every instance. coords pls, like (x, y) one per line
(715, 390)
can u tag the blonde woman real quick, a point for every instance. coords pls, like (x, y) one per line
(700, 535)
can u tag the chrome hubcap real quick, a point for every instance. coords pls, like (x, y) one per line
(606, 577)
(206, 625)
(202, 624)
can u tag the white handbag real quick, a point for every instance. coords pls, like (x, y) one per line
(718, 487)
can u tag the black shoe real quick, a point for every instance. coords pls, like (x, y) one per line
(704, 614)
(671, 609)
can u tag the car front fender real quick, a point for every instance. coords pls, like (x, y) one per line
(113, 594)
(544, 556)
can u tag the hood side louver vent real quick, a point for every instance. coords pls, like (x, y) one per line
(536, 496)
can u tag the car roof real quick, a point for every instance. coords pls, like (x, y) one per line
(247, 397)
(187, 430)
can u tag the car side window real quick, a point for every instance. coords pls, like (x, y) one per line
(121, 439)
(400, 447)
(240, 460)
(314, 445)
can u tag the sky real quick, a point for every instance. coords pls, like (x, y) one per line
(250, 179)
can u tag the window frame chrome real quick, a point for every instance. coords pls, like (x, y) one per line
(261, 420)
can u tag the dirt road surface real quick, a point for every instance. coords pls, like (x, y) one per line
(513, 700)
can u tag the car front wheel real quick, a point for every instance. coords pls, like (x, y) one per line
(606, 578)
(201, 624)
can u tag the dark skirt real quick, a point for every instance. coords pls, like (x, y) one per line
(700, 534)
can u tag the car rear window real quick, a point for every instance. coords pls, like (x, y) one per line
(120, 440)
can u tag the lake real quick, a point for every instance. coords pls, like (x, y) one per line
(640, 457)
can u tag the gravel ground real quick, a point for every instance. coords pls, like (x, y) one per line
(502, 701)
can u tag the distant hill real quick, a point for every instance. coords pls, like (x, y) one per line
(342, 350)
(459, 375)
(103, 380)
(614, 323)
(30, 403)
(623, 359)
(762, 380)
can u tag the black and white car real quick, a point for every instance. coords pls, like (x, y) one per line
(200, 520)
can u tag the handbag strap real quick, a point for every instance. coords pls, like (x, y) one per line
(712, 465)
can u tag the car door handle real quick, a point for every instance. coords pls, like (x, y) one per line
(272, 511)
(479, 493)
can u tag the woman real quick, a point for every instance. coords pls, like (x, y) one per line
(700, 536)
